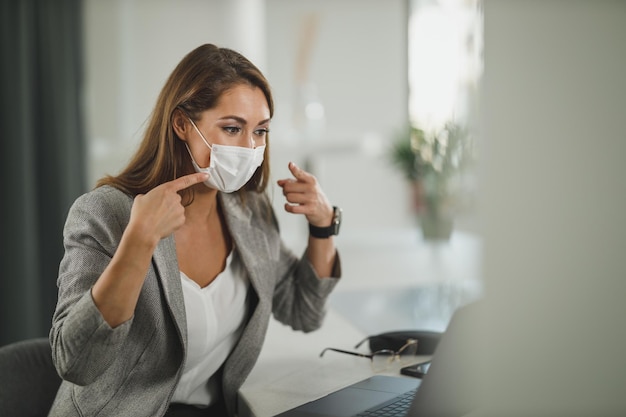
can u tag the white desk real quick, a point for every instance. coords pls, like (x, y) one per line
(290, 372)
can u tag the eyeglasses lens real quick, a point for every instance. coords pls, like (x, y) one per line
(382, 360)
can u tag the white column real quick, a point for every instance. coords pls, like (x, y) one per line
(248, 29)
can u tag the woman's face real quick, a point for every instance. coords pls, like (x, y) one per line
(241, 118)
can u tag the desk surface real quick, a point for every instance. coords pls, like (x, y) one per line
(290, 372)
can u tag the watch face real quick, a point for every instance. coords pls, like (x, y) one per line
(337, 220)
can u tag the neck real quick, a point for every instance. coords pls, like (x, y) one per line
(204, 204)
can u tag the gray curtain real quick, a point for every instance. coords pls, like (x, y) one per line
(42, 155)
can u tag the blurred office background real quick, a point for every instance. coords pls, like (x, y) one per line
(340, 77)
(542, 84)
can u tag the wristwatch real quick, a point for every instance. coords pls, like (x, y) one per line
(326, 232)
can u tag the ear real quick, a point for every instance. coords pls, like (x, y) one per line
(180, 124)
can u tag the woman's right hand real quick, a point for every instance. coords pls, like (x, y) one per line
(159, 213)
(154, 215)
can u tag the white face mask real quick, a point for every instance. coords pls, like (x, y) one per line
(231, 167)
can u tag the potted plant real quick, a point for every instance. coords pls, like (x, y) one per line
(432, 163)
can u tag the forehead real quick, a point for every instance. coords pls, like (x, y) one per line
(244, 99)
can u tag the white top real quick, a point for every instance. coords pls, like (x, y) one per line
(215, 319)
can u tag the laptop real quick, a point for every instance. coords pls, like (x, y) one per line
(443, 391)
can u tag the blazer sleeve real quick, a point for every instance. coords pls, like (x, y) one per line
(300, 295)
(83, 344)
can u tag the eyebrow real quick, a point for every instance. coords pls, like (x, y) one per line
(242, 120)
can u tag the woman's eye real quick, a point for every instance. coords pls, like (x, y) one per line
(232, 129)
(261, 132)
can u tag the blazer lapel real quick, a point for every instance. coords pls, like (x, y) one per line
(251, 243)
(166, 266)
(249, 238)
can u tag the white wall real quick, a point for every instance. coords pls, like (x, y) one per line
(553, 207)
(131, 47)
(358, 62)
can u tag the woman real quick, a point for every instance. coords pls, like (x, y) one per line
(173, 267)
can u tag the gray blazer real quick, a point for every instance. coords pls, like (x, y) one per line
(133, 369)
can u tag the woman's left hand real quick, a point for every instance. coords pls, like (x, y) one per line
(304, 196)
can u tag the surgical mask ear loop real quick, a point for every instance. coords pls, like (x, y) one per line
(200, 133)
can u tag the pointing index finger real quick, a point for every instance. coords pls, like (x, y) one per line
(299, 173)
(187, 181)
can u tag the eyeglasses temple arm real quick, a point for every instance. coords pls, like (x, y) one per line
(362, 355)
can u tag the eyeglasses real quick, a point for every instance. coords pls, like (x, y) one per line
(384, 358)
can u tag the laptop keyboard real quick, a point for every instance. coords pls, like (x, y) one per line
(399, 407)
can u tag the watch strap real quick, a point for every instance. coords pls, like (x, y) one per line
(326, 232)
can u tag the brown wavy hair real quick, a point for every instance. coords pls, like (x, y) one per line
(195, 85)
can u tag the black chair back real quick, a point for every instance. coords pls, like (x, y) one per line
(28, 379)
